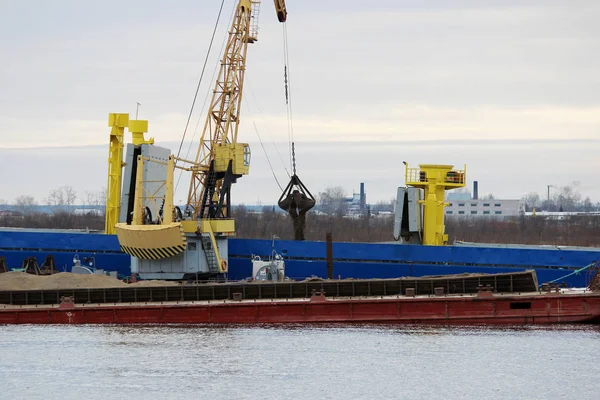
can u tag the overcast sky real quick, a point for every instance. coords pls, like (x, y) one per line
(509, 88)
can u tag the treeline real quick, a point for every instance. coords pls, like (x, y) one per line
(271, 223)
(59, 197)
(58, 220)
(560, 198)
(576, 230)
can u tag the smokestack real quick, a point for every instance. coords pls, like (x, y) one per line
(362, 197)
(475, 191)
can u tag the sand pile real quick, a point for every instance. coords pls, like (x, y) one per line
(62, 280)
(66, 280)
(153, 283)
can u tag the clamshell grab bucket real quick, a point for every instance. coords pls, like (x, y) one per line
(297, 200)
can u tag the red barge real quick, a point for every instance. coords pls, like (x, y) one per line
(484, 307)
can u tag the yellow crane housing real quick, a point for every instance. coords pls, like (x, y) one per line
(434, 180)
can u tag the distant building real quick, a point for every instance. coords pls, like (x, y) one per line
(88, 211)
(357, 204)
(463, 205)
(10, 213)
(49, 210)
(484, 208)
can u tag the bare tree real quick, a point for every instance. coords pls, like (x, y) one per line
(531, 201)
(95, 198)
(61, 197)
(568, 198)
(25, 203)
(587, 205)
(89, 198)
(332, 201)
(488, 196)
(101, 196)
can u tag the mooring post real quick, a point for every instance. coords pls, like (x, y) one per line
(329, 243)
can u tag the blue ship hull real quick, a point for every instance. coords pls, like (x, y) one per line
(305, 259)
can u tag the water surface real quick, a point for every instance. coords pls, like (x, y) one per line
(299, 362)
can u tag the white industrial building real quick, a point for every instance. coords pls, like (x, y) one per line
(463, 205)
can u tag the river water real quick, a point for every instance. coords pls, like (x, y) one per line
(299, 362)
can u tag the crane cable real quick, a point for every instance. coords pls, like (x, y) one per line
(200, 79)
(262, 145)
(196, 94)
(268, 160)
(288, 97)
(245, 98)
(248, 85)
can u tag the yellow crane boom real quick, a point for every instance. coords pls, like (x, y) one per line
(219, 154)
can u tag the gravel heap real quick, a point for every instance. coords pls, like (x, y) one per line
(66, 280)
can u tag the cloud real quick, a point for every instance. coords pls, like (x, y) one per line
(499, 86)
(373, 124)
(506, 168)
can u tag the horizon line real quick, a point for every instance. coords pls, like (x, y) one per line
(462, 142)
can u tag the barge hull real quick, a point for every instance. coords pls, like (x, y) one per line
(536, 309)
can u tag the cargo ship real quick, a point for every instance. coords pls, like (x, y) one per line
(304, 259)
(149, 236)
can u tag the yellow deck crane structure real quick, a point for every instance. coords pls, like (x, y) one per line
(118, 123)
(165, 242)
(419, 211)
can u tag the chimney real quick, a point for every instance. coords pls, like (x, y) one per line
(362, 197)
(475, 192)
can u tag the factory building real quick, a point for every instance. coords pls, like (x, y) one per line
(357, 204)
(467, 205)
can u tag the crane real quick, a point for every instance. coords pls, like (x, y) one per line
(419, 210)
(169, 243)
(118, 123)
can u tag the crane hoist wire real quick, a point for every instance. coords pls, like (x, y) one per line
(288, 98)
(249, 88)
(258, 135)
(208, 93)
(265, 151)
(296, 199)
(261, 142)
(212, 38)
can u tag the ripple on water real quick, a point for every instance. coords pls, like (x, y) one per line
(298, 361)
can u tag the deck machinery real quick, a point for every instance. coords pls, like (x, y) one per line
(419, 215)
(165, 241)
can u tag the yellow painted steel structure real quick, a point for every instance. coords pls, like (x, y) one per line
(434, 179)
(219, 161)
(154, 241)
(138, 127)
(220, 133)
(238, 153)
(207, 227)
(118, 122)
